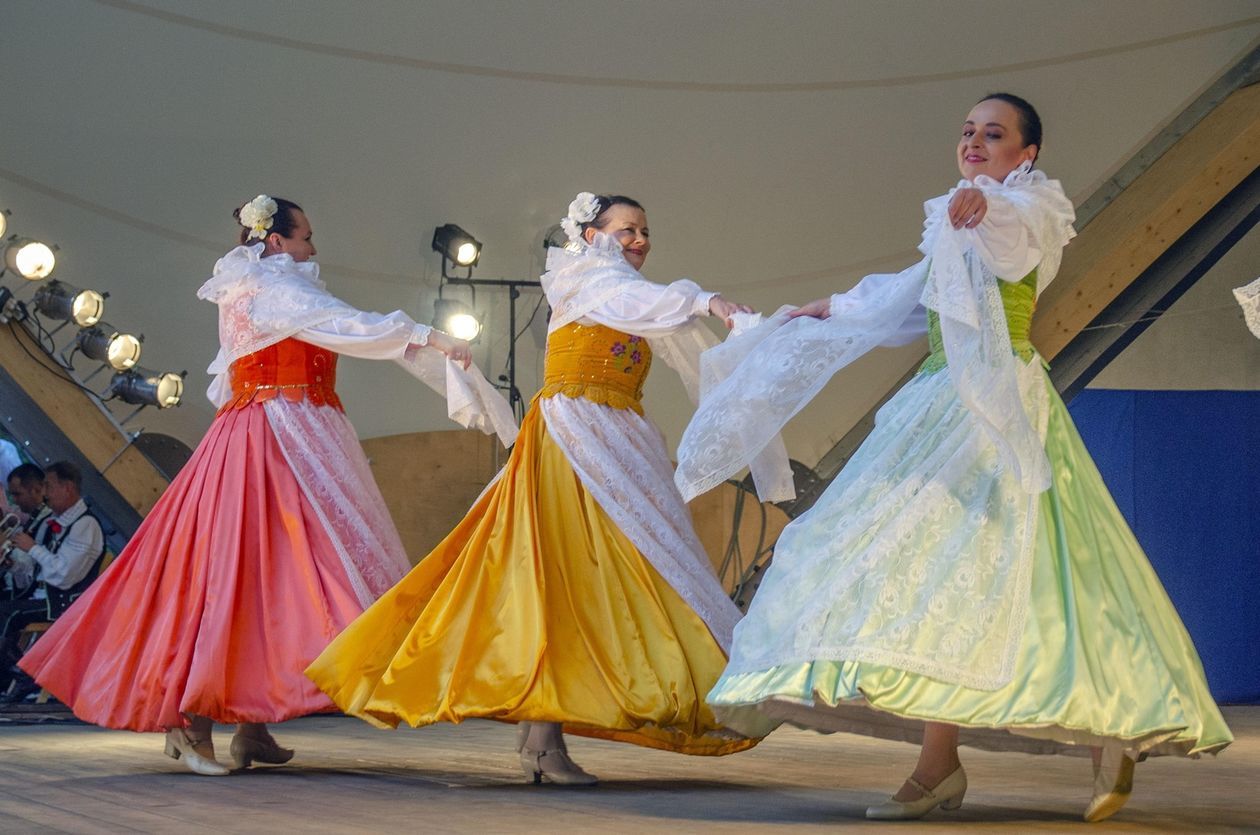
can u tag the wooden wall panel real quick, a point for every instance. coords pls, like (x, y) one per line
(430, 479)
(714, 517)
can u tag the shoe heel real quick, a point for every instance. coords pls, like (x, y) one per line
(953, 803)
(171, 750)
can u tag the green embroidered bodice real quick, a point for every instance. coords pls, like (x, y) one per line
(1018, 297)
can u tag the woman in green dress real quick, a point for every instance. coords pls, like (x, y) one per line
(967, 578)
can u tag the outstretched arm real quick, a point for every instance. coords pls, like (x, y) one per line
(650, 309)
(382, 336)
(849, 303)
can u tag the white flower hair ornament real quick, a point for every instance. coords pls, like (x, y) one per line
(583, 209)
(256, 216)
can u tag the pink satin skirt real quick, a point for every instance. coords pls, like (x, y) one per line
(228, 590)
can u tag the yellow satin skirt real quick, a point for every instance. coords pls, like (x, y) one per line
(535, 608)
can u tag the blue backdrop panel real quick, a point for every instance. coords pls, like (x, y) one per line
(1184, 467)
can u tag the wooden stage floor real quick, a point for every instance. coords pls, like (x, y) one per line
(348, 777)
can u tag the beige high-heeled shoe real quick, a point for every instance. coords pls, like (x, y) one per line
(948, 794)
(247, 750)
(551, 765)
(1113, 783)
(180, 746)
(554, 766)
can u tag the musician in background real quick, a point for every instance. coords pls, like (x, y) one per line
(17, 569)
(66, 549)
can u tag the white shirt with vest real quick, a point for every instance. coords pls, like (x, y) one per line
(68, 556)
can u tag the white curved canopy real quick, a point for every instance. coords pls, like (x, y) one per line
(782, 149)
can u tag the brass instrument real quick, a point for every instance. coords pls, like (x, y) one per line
(10, 523)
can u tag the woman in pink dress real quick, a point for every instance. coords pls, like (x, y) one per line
(274, 536)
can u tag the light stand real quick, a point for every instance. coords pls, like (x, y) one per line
(514, 293)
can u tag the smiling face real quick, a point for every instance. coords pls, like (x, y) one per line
(628, 224)
(992, 143)
(298, 245)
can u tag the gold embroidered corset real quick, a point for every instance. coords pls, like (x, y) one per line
(291, 369)
(1019, 299)
(596, 363)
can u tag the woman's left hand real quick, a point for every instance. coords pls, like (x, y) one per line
(967, 208)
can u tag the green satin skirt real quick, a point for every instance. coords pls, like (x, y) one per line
(1104, 659)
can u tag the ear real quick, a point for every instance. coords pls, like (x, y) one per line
(589, 235)
(1030, 153)
(273, 243)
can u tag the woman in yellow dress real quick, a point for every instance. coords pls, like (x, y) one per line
(575, 594)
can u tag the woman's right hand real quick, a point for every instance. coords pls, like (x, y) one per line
(455, 349)
(724, 310)
(820, 309)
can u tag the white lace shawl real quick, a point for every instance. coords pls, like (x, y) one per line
(265, 300)
(755, 382)
(1249, 297)
(580, 280)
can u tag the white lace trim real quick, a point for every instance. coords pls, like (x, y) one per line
(1249, 297)
(621, 460)
(580, 281)
(917, 557)
(265, 300)
(760, 380)
(324, 454)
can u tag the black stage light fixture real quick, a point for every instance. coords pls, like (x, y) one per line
(456, 245)
(119, 350)
(147, 388)
(31, 259)
(64, 302)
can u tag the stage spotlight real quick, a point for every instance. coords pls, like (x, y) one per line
(67, 303)
(29, 258)
(146, 388)
(456, 245)
(120, 350)
(456, 318)
(4, 221)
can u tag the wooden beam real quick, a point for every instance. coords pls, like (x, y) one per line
(1157, 289)
(1149, 216)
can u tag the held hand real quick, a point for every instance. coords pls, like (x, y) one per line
(724, 310)
(456, 350)
(967, 208)
(22, 540)
(820, 309)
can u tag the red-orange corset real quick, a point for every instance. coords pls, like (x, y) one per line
(291, 368)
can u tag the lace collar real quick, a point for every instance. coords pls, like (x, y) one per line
(243, 263)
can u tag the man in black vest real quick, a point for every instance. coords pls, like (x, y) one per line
(67, 549)
(17, 570)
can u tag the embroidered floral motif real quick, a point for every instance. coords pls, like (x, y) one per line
(633, 358)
